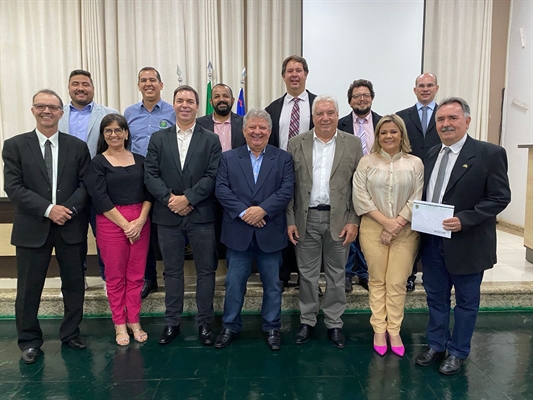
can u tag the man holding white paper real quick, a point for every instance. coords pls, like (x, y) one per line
(471, 175)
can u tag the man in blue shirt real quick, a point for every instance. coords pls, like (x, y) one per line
(144, 118)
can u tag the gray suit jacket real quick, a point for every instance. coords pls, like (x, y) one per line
(348, 152)
(93, 130)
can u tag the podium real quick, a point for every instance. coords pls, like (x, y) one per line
(528, 226)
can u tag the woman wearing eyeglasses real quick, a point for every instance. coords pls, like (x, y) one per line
(385, 185)
(115, 181)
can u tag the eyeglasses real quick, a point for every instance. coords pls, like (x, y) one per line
(51, 107)
(116, 131)
(363, 95)
(429, 85)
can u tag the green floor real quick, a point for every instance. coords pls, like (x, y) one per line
(499, 367)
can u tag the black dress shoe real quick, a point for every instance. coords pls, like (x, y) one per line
(429, 356)
(363, 282)
(149, 286)
(337, 337)
(169, 334)
(76, 343)
(224, 338)
(348, 284)
(451, 365)
(205, 334)
(304, 331)
(273, 339)
(410, 286)
(31, 355)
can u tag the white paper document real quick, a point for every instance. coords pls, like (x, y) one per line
(428, 217)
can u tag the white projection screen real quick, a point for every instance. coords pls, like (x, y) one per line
(364, 39)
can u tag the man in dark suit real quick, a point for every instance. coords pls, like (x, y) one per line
(254, 185)
(43, 173)
(420, 123)
(360, 122)
(471, 176)
(225, 123)
(180, 170)
(291, 115)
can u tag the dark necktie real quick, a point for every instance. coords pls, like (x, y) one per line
(440, 175)
(294, 127)
(424, 120)
(48, 160)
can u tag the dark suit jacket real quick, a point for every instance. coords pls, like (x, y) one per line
(479, 190)
(236, 191)
(346, 123)
(237, 137)
(274, 109)
(163, 174)
(26, 184)
(419, 145)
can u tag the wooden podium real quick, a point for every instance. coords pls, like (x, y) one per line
(528, 226)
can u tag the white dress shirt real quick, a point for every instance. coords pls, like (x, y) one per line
(323, 154)
(184, 140)
(54, 139)
(285, 117)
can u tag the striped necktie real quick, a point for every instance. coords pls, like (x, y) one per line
(362, 135)
(294, 127)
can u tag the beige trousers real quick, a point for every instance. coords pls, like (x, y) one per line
(388, 270)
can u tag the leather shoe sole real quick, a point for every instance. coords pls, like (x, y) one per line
(31, 355)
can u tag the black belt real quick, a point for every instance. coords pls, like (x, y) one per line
(321, 207)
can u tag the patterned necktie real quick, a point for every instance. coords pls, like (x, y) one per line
(294, 127)
(424, 120)
(362, 135)
(48, 159)
(440, 175)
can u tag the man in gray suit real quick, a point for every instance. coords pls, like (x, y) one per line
(81, 118)
(321, 218)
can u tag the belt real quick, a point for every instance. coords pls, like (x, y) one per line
(321, 207)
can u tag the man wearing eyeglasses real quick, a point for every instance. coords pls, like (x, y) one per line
(420, 123)
(43, 173)
(360, 122)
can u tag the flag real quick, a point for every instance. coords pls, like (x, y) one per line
(241, 107)
(208, 106)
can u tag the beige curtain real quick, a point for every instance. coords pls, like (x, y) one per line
(457, 50)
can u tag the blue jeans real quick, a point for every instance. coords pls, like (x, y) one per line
(438, 283)
(357, 259)
(239, 269)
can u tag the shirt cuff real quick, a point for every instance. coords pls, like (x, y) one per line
(47, 212)
(242, 214)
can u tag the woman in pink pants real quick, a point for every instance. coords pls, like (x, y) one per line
(115, 181)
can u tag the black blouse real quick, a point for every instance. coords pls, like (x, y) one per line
(109, 186)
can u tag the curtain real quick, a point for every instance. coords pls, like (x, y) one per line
(457, 50)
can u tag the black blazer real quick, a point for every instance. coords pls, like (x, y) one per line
(274, 109)
(479, 190)
(346, 123)
(163, 174)
(27, 186)
(237, 137)
(419, 145)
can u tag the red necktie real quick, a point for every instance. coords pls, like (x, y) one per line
(294, 127)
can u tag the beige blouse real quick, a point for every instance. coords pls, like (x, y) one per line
(387, 184)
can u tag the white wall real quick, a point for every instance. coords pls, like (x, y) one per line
(518, 123)
(345, 40)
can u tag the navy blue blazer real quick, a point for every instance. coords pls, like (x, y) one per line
(236, 191)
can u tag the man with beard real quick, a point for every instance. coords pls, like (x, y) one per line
(225, 123)
(361, 122)
(81, 118)
(144, 118)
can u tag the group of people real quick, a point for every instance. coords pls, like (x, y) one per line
(288, 186)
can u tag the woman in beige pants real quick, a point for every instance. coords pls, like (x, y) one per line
(386, 183)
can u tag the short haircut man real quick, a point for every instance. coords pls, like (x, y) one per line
(360, 122)
(151, 114)
(254, 185)
(471, 176)
(180, 171)
(50, 213)
(321, 218)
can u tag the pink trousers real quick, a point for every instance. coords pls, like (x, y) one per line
(124, 264)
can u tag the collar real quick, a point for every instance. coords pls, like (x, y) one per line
(190, 130)
(304, 96)
(250, 151)
(457, 146)
(395, 157)
(333, 139)
(431, 105)
(87, 107)
(42, 138)
(157, 105)
(228, 121)
(366, 119)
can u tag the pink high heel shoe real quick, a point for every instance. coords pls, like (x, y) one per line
(398, 350)
(381, 350)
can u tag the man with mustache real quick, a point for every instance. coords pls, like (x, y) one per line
(81, 118)
(144, 118)
(360, 122)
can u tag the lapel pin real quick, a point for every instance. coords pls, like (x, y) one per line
(465, 165)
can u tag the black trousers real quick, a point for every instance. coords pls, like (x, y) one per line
(32, 266)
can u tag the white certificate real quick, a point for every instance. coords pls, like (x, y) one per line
(428, 217)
